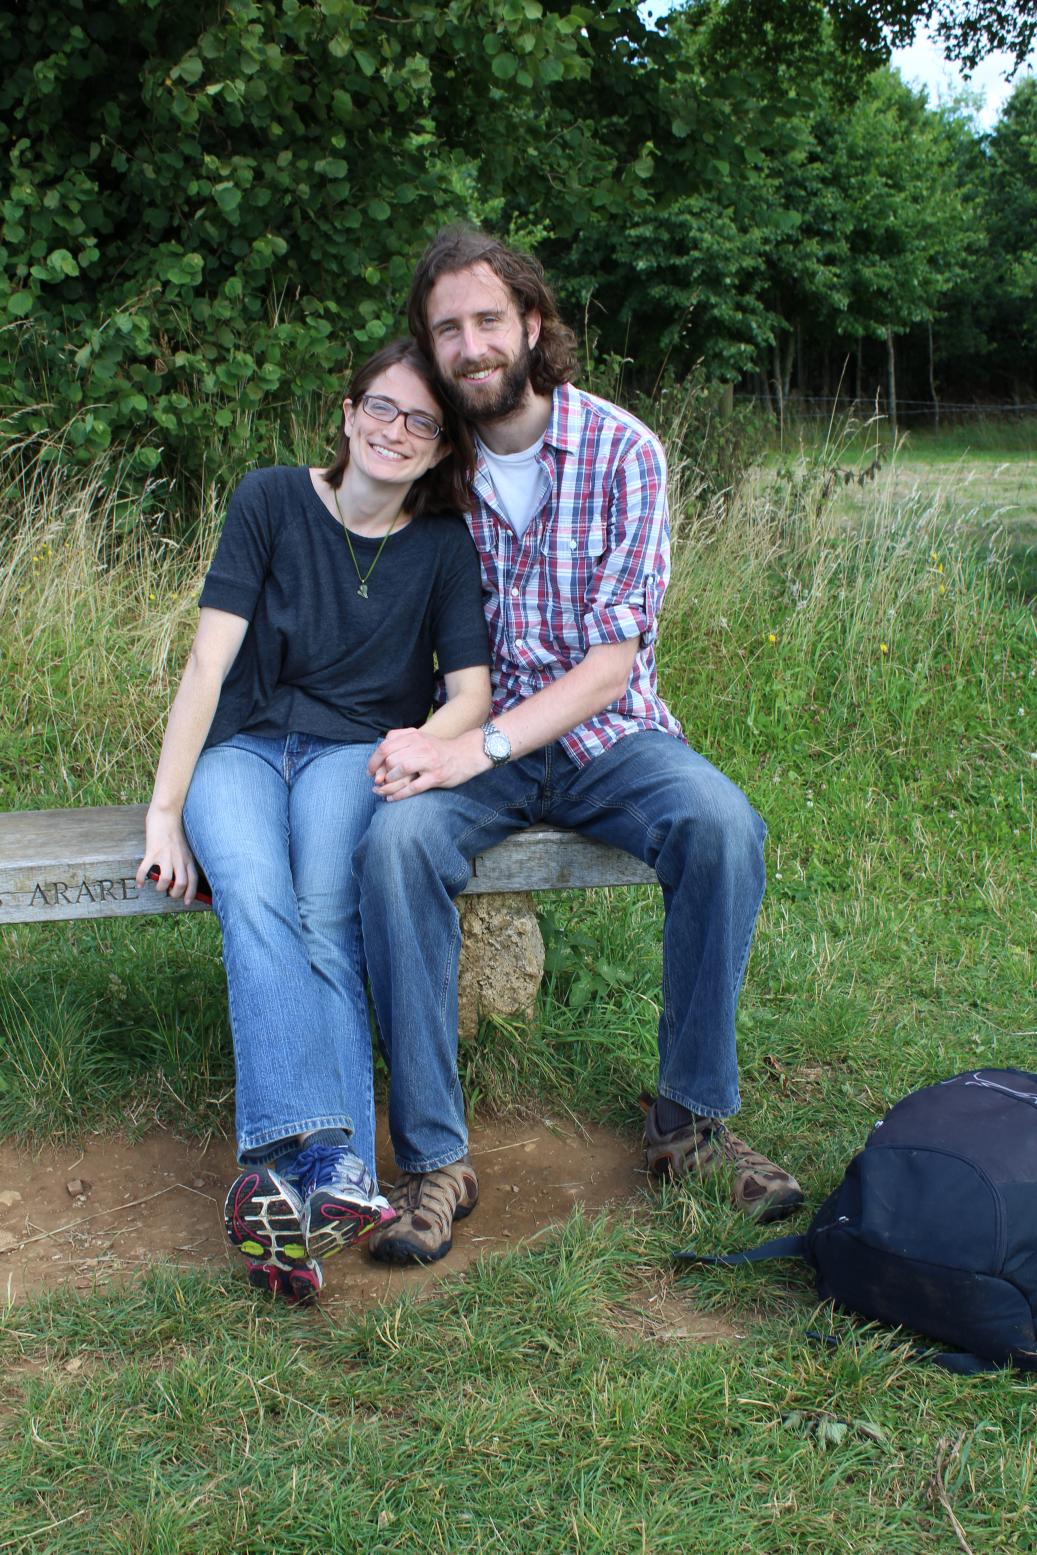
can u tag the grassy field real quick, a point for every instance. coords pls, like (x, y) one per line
(980, 476)
(861, 660)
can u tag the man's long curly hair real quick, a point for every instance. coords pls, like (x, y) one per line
(554, 357)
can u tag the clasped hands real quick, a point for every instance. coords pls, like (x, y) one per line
(410, 761)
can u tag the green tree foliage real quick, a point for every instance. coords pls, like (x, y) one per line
(901, 214)
(969, 29)
(1012, 235)
(800, 209)
(207, 210)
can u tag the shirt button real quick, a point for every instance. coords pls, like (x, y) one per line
(514, 593)
(572, 545)
(520, 642)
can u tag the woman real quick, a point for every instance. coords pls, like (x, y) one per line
(329, 594)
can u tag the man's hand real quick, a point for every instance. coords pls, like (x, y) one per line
(409, 761)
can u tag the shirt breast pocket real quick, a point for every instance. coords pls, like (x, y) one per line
(577, 548)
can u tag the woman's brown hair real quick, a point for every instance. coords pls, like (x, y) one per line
(553, 358)
(444, 488)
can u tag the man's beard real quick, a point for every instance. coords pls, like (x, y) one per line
(508, 395)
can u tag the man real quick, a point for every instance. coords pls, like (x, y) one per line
(570, 521)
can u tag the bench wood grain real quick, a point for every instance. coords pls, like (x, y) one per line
(66, 864)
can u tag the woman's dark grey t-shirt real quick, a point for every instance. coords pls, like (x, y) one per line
(317, 658)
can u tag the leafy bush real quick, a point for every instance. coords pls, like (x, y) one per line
(204, 218)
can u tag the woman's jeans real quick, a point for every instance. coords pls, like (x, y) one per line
(648, 794)
(274, 823)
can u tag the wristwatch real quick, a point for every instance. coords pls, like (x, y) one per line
(495, 743)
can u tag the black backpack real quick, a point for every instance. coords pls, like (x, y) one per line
(934, 1225)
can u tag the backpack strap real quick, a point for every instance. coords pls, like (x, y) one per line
(958, 1361)
(961, 1362)
(779, 1247)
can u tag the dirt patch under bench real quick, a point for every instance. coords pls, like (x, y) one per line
(99, 1213)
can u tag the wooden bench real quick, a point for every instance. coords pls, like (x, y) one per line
(57, 865)
(67, 864)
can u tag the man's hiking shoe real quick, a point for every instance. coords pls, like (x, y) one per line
(341, 1203)
(263, 1216)
(427, 1203)
(704, 1146)
(298, 1286)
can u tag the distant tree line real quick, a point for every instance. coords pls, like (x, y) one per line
(206, 211)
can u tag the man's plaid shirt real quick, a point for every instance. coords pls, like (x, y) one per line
(591, 568)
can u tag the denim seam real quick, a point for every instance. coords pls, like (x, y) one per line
(272, 1136)
(433, 1164)
(691, 1105)
(689, 1101)
(735, 986)
(333, 748)
(652, 832)
(655, 838)
(524, 803)
(450, 964)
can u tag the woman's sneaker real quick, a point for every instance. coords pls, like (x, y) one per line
(263, 1216)
(341, 1203)
(298, 1286)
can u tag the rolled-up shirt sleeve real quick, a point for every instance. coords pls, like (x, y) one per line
(626, 591)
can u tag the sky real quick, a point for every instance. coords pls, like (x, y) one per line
(924, 65)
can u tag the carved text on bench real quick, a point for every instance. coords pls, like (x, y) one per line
(48, 893)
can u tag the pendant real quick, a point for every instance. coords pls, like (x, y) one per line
(362, 591)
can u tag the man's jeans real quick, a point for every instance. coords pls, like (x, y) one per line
(275, 823)
(650, 795)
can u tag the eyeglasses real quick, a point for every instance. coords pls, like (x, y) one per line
(414, 420)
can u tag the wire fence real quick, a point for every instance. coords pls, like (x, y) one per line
(820, 407)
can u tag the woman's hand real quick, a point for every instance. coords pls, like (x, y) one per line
(166, 845)
(410, 761)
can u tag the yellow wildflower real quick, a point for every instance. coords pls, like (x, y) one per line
(772, 637)
(883, 647)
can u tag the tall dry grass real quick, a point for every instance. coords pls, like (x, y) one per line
(97, 613)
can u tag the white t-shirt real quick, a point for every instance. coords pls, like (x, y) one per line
(519, 481)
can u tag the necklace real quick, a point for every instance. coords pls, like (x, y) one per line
(363, 576)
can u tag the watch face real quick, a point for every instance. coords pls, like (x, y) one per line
(497, 746)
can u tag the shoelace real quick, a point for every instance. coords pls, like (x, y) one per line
(317, 1165)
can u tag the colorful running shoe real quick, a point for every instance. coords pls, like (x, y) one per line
(341, 1202)
(298, 1286)
(264, 1222)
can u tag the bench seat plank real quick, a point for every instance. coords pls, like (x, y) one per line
(65, 864)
